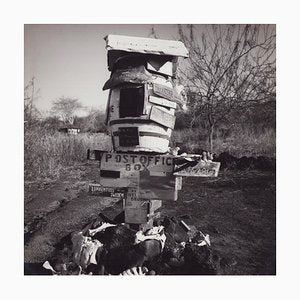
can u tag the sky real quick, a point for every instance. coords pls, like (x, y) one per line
(71, 60)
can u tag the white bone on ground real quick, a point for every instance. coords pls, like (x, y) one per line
(153, 234)
(47, 266)
(100, 228)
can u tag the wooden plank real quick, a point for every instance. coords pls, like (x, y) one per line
(161, 67)
(136, 212)
(94, 154)
(145, 45)
(178, 183)
(162, 102)
(156, 187)
(99, 190)
(161, 117)
(130, 162)
(129, 167)
(132, 194)
(201, 169)
(155, 205)
(166, 92)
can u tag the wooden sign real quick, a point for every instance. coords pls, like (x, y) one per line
(166, 92)
(162, 102)
(99, 190)
(146, 176)
(162, 117)
(201, 169)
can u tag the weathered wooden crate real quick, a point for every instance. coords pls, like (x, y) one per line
(141, 117)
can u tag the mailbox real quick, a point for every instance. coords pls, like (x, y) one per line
(143, 92)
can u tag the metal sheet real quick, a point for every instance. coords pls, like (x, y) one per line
(145, 45)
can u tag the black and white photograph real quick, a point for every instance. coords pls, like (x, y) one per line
(154, 138)
(150, 149)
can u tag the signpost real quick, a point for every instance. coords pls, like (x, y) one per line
(144, 179)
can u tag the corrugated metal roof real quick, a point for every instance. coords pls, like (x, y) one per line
(145, 45)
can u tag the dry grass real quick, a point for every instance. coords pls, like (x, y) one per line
(45, 154)
(240, 142)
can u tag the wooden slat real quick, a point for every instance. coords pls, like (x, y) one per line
(156, 187)
(161, 117)
(161, 67)
(130, 167)
(178, 183)
(162, 102)
(145, 45)
(166, 92)
(136, 212)
(94, 154)
(111, 192)
(201, 169)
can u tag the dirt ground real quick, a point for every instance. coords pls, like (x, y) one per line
(237, 210)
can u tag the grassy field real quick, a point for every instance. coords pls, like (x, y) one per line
(47, 154)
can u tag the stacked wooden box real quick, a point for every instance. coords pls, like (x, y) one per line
(144, 92)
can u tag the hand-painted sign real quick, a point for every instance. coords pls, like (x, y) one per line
(99, 190)
(199, 169)
(166, 92)
(149, 176)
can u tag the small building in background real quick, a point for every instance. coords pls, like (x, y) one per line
(69, 130)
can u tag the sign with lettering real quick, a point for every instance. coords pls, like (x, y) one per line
(99, 190)
(166, 92)
(147, 177)
(200, 169)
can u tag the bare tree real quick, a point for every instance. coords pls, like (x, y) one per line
(65, 108)
(31, 113)
(230, 68)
